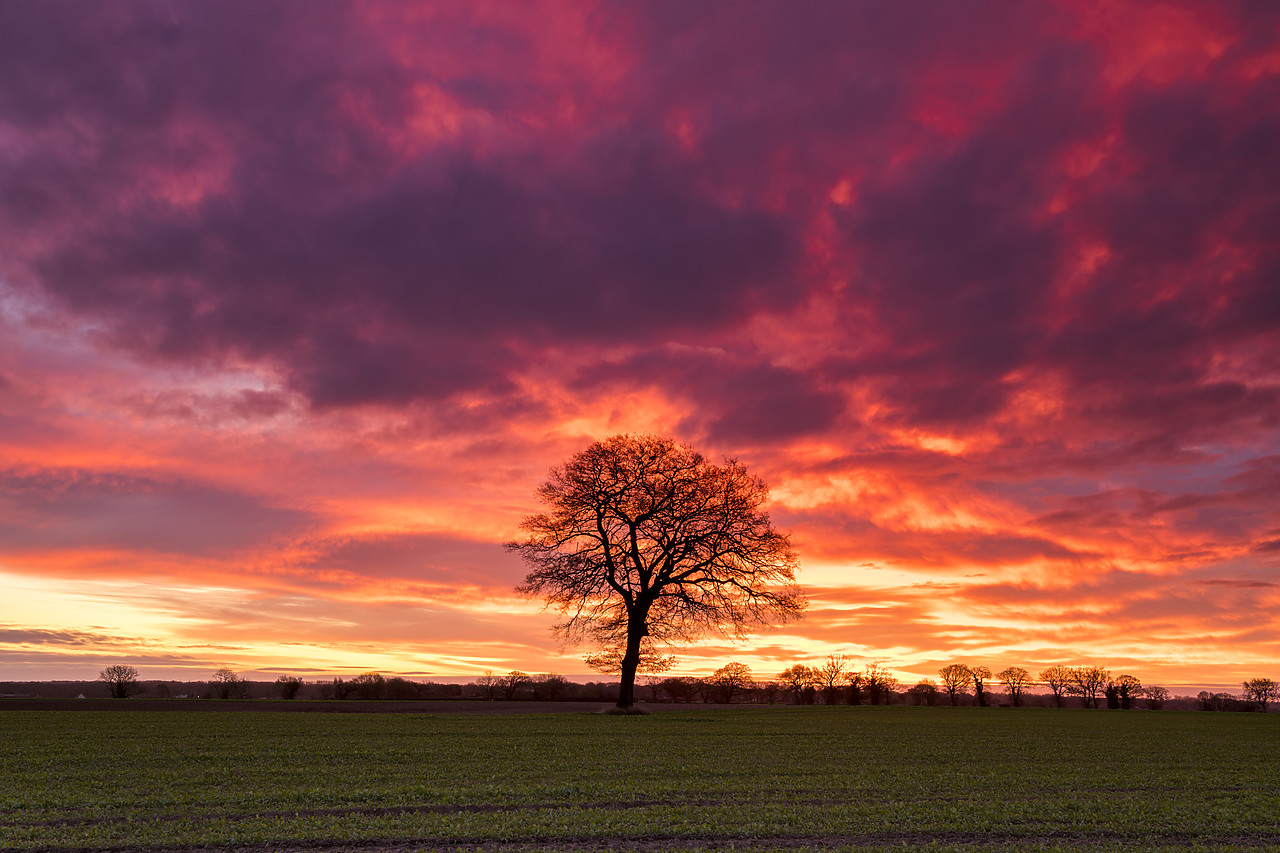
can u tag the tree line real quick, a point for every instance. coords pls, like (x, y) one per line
(835, 681)
(123, 681)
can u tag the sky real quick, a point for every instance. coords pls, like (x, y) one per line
(299, 304)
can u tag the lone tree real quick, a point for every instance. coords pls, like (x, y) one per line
(645, 537)
(121, 680)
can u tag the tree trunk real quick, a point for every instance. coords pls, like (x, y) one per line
(636, 631)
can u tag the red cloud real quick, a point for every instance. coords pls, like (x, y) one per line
(307, 305)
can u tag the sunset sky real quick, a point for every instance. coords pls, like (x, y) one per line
(299, 303)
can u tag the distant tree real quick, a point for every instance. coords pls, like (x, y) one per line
(1087, 682)
(856, 685)
(341, 689)
(978, 676)
(831, 675)
(879, 682)
(1156, 697)
(512, 683)
(1015, 680)
(770, 690)
(549, 687)
(400, 688)
(1128, 691)
(796, 678)
(730, 679)
(1221, 701)
(288, 685)
(924, 692)
(679, 689)
(647, 538)
(369, 685)
(227, 683)
(121, 680)
(1113, 696)
(1261, 690)
(1224, 701)
(488, 684)
(955, 679)
(1057, 679)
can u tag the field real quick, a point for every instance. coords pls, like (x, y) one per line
(778, 778)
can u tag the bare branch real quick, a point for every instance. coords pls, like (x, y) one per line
(644, 537)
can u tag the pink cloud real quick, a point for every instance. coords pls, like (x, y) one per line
(308, 305)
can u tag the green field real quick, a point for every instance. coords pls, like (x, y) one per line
(760, 779)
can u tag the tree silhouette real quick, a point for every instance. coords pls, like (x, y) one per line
(678, 689)
(1015, 680)
(1128, 690)
(488, 684)
(1261, 690)
(121, 680)
(369, 685)
(924, 691)
(226, 683)
(512, 683)
(288, 685)
(879, 683)
(1087, 682)
(646, 538)
(1057, 679)
(978, 676)
(796, 678)
(731, 678)
(955, 678)
(549, 686)
(831, 675)
(856, 683)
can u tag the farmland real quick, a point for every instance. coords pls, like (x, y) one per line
(752, 778)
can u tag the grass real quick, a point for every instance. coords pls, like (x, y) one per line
(760, 779)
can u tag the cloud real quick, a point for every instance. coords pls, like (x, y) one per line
(39, 636)
(732, 398)
(69, 509)
(306, 305)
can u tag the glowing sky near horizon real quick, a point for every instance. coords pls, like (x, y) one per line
(298, 305)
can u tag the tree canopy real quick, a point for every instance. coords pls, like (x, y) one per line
(645, 537)
(121, 680)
